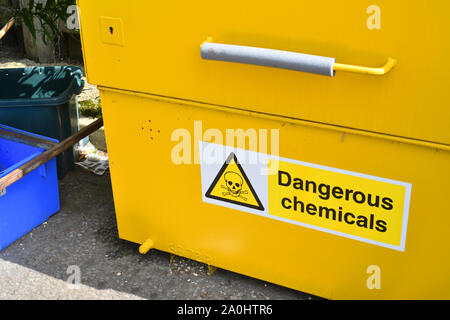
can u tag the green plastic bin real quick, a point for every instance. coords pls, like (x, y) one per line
(42, 100)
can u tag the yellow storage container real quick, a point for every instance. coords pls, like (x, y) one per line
(350, 204)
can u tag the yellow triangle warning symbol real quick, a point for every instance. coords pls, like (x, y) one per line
(232, 185)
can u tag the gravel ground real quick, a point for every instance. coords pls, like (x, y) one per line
(84, 234)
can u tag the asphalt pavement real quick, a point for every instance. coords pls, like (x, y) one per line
(81, 242)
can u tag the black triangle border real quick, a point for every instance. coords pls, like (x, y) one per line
(216, 180)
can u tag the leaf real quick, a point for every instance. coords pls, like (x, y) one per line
(28, 21)
(47, 14)
(30, 4)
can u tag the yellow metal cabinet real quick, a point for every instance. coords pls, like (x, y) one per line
(145, 57)
(157, 51)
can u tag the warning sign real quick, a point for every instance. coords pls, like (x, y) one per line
(351, 204)
(339, 202)
(232, 185)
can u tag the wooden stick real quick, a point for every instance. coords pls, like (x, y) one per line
(6, 28)
(27, 139)
(25, 169)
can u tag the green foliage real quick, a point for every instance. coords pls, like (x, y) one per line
(90, 108)
(48, 14)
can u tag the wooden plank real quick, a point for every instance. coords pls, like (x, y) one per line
(6, 28)
(25, 169)
(27, 139)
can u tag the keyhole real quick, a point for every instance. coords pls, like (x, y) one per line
(111, 30)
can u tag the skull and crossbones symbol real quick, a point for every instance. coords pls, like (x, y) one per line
(233, 185)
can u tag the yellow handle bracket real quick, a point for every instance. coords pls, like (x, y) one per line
(366, 70)
(146, 246)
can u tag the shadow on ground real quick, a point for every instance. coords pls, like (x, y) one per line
(84, 233)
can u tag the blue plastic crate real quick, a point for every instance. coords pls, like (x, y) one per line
(31, 200)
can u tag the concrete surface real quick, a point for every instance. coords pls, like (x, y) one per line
(18, 282)
(84, 234)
